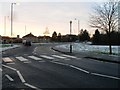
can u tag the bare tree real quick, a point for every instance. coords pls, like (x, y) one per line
(105, 18)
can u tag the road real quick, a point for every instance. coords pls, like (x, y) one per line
(39, 67)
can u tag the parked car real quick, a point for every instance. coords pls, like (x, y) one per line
(26, 43)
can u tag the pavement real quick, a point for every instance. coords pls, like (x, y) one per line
(10, 47)
(90, 55)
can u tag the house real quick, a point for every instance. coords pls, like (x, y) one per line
(44, 39)
(6, 39)
(30, 37)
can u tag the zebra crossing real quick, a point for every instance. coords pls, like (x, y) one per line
(41, 58)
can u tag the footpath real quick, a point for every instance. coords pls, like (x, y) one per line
(2, 49)
(90, 55)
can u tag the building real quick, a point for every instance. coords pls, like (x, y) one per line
(30, 37)
(6, 39)
(44, 39)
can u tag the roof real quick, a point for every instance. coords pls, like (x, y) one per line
(47, 37)
(5, 37)
(29, 35)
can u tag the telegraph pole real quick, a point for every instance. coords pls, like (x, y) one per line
(70, 36)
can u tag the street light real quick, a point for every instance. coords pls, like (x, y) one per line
(12, 18)
(12, 21)
(78, 24)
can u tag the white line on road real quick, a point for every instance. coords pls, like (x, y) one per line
(59, 63)
(69, 56)
(27, 62)
(9, 78)
(18, 72)
(35, 58)
(106, 76)
(9, 67)
(31, 86)
(78, 68)
(47, 57)
(7, 59)
(61, 57)
(21, 77)
(10, 63)
(1, 69)
(22, 59)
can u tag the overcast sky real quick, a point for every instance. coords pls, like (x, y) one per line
(36, 16)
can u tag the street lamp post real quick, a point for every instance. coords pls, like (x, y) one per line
(12, 21)
(78, 24)
(12, 18)
(70, 36)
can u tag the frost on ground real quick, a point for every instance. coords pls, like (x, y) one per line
(84, 47)
(9, 47)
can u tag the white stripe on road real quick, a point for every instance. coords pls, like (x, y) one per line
(61, 57)
(69, 56)
(31, 86)
(7, 59)
(27, 62)
(106, 76)
(9, 78)
(35, 58)
(78, 68)
(10, 63)
(47, 57)
(59, 63)
(0, 69)
(9, 67)
(21, 77)
(19, 74)
(22, 59)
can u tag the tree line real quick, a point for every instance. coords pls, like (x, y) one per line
(97, 38)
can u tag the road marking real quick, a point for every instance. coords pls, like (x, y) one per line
(78, 68)
(22, 59)
(9, 67)
(7, 59)
(69, 56)
(21, 77)
(59, 63)
(10, 63)
(31, 86)
(9, 78)
(47, 57)
(106, 76)
(27, 62)
(1, 69)
(61, 57)
(35, 58)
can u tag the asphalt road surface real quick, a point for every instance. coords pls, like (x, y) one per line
(39, 67)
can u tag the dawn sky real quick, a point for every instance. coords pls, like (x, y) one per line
(36, 16)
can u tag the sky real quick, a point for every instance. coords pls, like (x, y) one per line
(35, 16)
